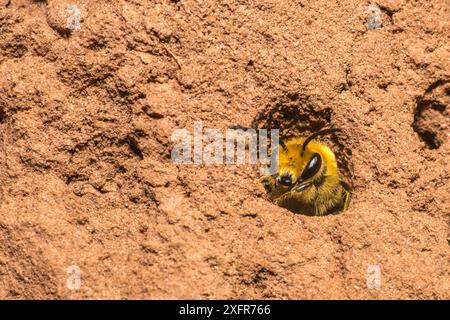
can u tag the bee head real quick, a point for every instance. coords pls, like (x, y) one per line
(303, 163)
(290, 175)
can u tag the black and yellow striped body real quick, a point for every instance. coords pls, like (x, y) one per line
(317, 193)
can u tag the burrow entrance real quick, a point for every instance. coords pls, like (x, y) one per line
(295, 116)
(431, 118)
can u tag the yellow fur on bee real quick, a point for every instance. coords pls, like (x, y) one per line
(292, 162)
(326, 192)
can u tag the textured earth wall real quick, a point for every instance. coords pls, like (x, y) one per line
(91, 92)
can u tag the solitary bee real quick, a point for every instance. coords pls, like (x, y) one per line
(308, 179)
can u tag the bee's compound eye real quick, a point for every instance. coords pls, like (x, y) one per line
(285, 180)
(312, 167)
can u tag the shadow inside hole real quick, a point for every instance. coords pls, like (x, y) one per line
(431, 117)
(2, 115)
(294, 207)
(294, 116)
(431, 123)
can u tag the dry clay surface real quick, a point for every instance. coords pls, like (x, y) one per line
(91, 92)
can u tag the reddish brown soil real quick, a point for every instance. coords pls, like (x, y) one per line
(86, 177)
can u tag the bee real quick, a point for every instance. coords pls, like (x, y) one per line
(308, 179)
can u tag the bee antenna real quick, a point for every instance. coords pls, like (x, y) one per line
(316, 134)
(283, 145)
